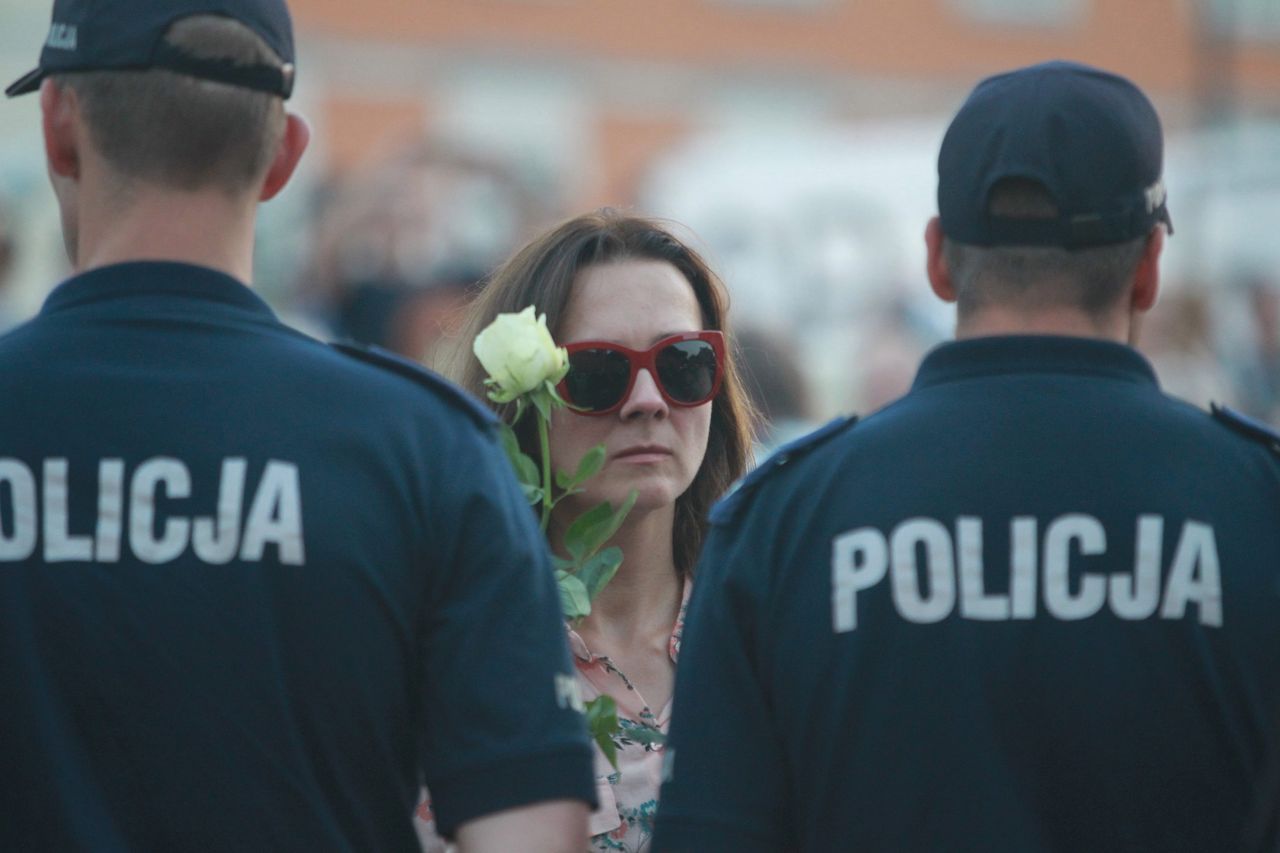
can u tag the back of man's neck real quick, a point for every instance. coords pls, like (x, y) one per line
(997, 321)
(204, 229)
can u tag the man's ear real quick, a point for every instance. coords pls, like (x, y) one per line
(936, 262)
(1146, 279)
(297, 135)
(60, 121)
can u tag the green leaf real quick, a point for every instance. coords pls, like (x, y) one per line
(563, 495)
(526, 469)
(590, 464)
(599, 569)
(560, 564)
(574, 601)
(602, 711)
(532, 494)
(647, 736)
(621, 515)
(556, 399)
(507, 436)
(583, 537)
(602, 722)
(593, 528)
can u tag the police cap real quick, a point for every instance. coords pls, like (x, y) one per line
(121, 35)
(1091, 138)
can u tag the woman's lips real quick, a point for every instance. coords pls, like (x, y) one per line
(643, 453)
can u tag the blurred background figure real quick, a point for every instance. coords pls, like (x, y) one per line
(797, 146)
(9, 315)
(776, 385)
(397, 245)
(1178, 339)
(895, 341)
(1259, 367)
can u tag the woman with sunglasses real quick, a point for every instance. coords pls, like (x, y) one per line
(652, 379)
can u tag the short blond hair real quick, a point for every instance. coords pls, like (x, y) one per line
(1093, 279)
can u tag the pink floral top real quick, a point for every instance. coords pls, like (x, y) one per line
(629, 795)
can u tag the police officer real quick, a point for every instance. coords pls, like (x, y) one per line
(1033, 605)
(253, 591)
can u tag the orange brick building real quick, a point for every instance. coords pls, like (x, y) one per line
(796, 139)
(629, 79)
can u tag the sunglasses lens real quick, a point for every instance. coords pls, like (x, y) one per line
(687, 370)
(597, 378)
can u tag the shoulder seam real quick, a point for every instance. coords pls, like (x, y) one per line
(727, 509)
(440, 387)
(1246, 426)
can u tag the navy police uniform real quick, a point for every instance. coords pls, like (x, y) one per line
(1032, 606)
(253, 591)
(1035, 604)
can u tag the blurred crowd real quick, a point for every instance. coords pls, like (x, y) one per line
(9, 315)
(393, 253)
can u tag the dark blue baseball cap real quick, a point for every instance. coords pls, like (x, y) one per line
(118, 35)
(1092, 139)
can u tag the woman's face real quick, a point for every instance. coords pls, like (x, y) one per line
(650, 446)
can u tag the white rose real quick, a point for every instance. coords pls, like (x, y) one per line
(518, 353)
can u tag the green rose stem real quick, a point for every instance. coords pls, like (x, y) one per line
(524, 365)
(544, 441)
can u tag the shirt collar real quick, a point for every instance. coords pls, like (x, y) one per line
(1022, 354)
(148, 279)
(579, 646)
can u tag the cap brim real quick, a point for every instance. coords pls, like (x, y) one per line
(26, 83)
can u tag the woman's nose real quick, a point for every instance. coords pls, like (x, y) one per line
(645, 399)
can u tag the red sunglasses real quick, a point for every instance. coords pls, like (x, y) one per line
(687, 368)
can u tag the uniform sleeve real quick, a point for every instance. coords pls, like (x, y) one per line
(502, 721)
(726, 779)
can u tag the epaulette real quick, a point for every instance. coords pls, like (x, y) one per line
(726, 509)
(443, 388)
(1247, 426)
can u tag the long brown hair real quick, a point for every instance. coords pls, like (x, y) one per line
(543, 274)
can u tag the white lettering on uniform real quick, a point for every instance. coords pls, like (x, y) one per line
(151, 475)
(276, 516)
(911, 601)
(1136, 596)
(862, 558)
(568, 693)
(1194, 576)
(215, 540)
(1087, 532)
(20, 542)
(59, 544)
(974, 601)
(859, 560)
(1023, 567)
(106, 540)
